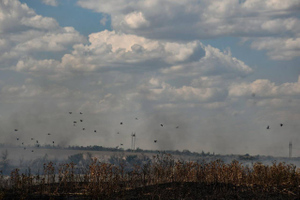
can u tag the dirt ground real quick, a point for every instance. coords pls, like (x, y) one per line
(189, 191)
(175, 191)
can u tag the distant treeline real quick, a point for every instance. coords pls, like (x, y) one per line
(101, 148)
(173, 152)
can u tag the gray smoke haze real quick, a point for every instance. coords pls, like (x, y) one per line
(216, 130)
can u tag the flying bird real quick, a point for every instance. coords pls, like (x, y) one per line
(155, 141)
(31, 138)
(118, 133)
(74, 122)
(81, 120)
(70, 113)
(121, 123)
(83, 129)
(16, 129)
(17, 138)
(32, 151)
(177, 126)
(268, 127)
(37, 141)
(121, 144)
(136, 118)
(53, 142)
(161, 125)
(95, 131)
(281, 124)
(49, 133)
(81, 113)
(22, 143)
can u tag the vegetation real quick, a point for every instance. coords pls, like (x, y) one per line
(159, 178)
(113, 149)
(4, 163)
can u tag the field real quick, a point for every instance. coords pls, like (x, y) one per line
(162, 177)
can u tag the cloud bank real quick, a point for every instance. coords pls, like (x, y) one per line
(270, 25)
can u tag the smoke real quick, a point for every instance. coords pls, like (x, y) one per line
(170, 131)
(220, 130)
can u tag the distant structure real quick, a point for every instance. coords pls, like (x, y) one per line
(132, 141)
(290, 149)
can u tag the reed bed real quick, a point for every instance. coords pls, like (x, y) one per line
(100, 180)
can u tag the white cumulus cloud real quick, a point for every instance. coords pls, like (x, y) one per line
(191, 20)
(24, 34)
(50, 2)
(266, 89)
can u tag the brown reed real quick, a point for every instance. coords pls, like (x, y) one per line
(101, 180)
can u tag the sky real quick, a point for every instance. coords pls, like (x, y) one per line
(222, 71)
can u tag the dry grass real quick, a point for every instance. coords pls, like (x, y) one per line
(103, 180)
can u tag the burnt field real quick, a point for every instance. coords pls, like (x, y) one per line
(174, 190)
(161, 177)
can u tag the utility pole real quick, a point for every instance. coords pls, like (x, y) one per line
(290, 149)
(132, 141)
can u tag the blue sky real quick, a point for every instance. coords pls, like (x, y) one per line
(222, 70)
(67, 13)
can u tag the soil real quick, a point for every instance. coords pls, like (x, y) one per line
(174, 191)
